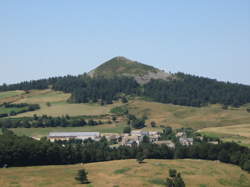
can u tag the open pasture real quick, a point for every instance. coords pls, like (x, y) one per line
(122, 173)
(54, 103)
(237, 133)
(182, 116)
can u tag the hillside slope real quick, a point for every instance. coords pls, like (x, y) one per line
(121, 66)
(196, 173)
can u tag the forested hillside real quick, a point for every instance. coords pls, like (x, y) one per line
(187, 90)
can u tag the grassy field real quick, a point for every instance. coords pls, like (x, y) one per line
(40, 132)
(10, 96)
(163, 114)
(59, 105)
(194, 117)
(10, 93)
(15, 109)
(237, 133)
(196, 173)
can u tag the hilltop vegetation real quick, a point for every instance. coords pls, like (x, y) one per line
(196, 173)
(121, 66)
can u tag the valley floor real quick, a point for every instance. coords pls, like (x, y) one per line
(196, 173)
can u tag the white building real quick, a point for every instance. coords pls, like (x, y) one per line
(139, 133)
(186, 141)
(73, 135)
(180, 134)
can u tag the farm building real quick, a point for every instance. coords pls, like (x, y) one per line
(73, 135)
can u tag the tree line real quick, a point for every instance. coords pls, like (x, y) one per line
(25, 151)
(187, 90)
(22, 108)
(47, 121)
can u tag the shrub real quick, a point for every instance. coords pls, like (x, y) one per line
(82, 176)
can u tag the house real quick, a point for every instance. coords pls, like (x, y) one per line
(139, 133)
(180, 134)
(154, 136)
(186, 141)
(112, 136)
(73, 135)
(168, 143)
(129, 140)
(214, 142)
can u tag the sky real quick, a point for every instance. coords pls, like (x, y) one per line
(40, 39)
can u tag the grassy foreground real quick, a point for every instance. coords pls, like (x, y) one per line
(196, 173)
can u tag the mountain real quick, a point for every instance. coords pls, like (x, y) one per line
(121, 66)
(179, 89)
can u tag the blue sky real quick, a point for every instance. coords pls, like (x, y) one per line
(47, 38)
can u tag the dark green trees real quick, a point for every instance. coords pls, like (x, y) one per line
(137, 123)
(184, 90)
(82, 177)
(127, 130)
(197, 91)
(175, 179)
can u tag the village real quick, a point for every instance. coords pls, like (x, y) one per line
(125, 139)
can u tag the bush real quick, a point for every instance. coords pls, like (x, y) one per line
(120, 110)
(140, 157)
(82, 176)
(246, 165)
(124, 100)
(153, 124)
(175, 179)
(138, 123)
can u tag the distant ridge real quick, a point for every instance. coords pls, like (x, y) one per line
(122, 66)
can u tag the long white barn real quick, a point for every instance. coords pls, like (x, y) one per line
(73, 135)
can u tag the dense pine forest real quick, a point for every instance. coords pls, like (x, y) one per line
(191, 90)
(187, 90)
